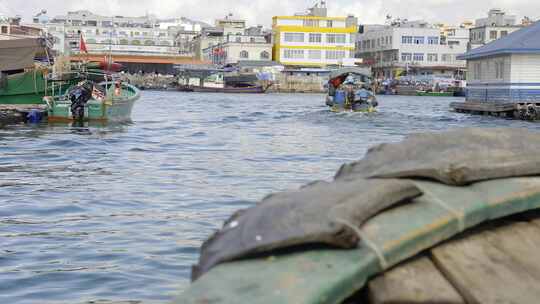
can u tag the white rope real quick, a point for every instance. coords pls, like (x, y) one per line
(459, 214)
(370, 244)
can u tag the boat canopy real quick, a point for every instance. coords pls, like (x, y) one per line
(17, 53)
(337, 77)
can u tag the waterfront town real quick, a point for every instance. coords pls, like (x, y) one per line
(300, 45)
(310, 157)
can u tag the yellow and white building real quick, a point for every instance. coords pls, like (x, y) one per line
(314, 39)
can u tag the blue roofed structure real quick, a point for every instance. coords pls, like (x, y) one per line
(506, 71)
(524, 41)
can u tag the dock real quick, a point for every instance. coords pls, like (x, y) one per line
(484, 108)
(15, 114)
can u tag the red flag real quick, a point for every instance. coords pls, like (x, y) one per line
(82, 46)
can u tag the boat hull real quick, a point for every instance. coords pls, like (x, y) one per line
(113, 110)
(233, 90)
(23, 89)
(435, 94)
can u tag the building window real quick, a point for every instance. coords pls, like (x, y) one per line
(477, 70)
(419, 40)
(406, 56)
(311, 23)
(499, 69)
(136, 42)
(124, 41)
(336, 38)
(448, 58)
(418, 57)
(432, 57)
(492, 34)
(265, 55)
(315, 38)
(504, 33)
(149, 42)
(329, 23)
(244, 54)
(314, 54)
(294, 37)
(293, 54)
(433, 40)
(406, 39)
(335, 55)
(252, 40)
(238, 39)
(4, 29)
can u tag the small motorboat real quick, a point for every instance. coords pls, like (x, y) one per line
(349, 90)
(99, 96)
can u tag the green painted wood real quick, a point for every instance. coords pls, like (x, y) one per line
(330, 276)
(23, 88)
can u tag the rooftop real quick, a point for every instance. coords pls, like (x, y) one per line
(524, 41)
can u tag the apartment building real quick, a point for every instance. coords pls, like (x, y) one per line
(497, 25)
(313, 39)
(241, 44)
(118, 35)
(412, 48)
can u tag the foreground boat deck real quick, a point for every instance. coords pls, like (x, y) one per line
(496, 263)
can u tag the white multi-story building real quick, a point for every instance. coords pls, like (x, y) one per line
(118, 35)
(313, 39)
(497, 25)
(236, 48)
(231, 41)
(413, 48)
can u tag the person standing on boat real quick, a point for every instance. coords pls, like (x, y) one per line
(364, 95)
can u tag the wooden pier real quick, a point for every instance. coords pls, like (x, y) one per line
(484, 108)
(495, 263)
(15, 114)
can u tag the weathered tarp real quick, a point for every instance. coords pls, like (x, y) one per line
(17, 53)
(329, 276)
(321, 213)
(457, 157)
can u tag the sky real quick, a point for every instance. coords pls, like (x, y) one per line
(260, 12)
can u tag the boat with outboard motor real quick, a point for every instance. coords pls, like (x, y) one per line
(100, 95)
(349, 90)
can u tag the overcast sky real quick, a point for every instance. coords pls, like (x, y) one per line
(261, 11)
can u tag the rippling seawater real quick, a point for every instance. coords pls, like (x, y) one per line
(116, 214)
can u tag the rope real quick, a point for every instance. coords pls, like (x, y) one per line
(369, 243)
(458, 214)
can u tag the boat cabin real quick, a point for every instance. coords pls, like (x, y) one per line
(506, 70)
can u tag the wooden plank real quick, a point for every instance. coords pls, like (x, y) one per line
(418, 281)
(498, 266)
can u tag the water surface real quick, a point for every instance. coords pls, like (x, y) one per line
(116, 214)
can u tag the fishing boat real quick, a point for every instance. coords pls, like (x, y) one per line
(235, 90)
(21, 82)
(435, 94)
(99, 96)
(233, 81)
(349, 91)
